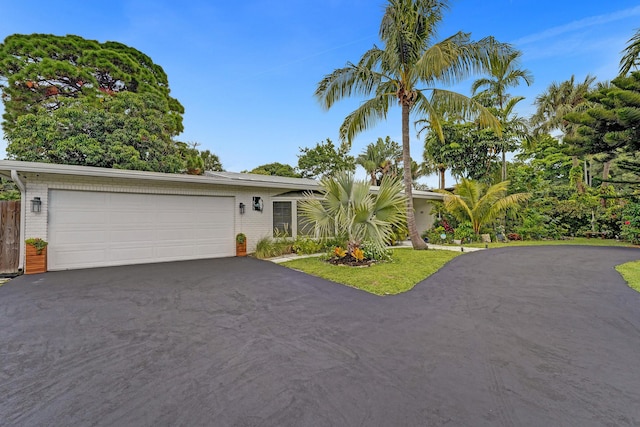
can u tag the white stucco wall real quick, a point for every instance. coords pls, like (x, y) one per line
(254, 224)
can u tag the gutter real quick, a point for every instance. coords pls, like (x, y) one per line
(23, 213)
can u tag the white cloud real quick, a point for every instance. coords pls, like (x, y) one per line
(578, 25)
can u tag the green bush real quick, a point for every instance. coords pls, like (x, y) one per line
(307, 245)
(269, 248)
(465, 232)
(630, 229)
(433, 234)
(372, 251)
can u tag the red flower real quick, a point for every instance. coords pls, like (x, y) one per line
(627, 222)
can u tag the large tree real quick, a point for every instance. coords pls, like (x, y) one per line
(611, 124)
(504, 73)
(408, 71)
(325, 160)
(84, 102)
(276, 169)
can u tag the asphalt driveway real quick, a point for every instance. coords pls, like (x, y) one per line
(531, 336)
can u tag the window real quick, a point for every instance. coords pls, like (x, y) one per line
(304, 228)
(282, 218)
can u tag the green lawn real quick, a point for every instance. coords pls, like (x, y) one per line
(630, 272)
(387, 278)
(574, 241)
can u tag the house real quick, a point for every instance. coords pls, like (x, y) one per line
(97, 217)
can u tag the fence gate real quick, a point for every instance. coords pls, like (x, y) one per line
(9, 236)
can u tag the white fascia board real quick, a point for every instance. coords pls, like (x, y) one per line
(51, 168)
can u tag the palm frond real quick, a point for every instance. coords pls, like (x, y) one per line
(366, 116)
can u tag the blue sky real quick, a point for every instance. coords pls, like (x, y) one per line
(246, 71)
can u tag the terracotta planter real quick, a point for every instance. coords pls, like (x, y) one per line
(241, 249)
(35, 263)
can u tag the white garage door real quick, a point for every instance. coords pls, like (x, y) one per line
(96, 229)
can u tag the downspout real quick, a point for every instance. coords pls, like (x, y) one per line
(23, 213)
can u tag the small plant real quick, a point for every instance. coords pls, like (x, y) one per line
(375, 252)
(267, 247)
(306, 246)
(358, 254)
(464, 232)
(241, 238)
(514, 236)
(37, 243)
(340, 252)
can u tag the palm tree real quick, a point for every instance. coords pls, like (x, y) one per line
(475, 202)
(349, 210)
(380, 159)
(559, 100)
(503, 74)
(555, 103)
(411, 57)
(631, 57)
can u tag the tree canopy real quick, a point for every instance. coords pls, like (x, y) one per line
(325, 160)
(276, 169)
(76, 101)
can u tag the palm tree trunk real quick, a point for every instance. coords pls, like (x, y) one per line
(416, 241)
(504, 165)
(442, 183)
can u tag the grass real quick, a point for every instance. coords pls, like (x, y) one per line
(575, 241)
(387, 278)
(630, 272)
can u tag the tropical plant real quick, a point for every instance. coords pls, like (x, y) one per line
(349, 210)
(492, 92)
(479, 204)
(380, 159)
(631, 57)
(395, 73)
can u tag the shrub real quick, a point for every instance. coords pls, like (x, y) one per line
(465, 232)
(269, 248)
(630, 229)
(374, 252)
(306, 246)
(514, 236)
(434, 234)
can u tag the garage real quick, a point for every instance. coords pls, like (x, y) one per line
(99, 229)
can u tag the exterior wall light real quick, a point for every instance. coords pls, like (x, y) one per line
(257, 204)
(36, 205)
(241, 208)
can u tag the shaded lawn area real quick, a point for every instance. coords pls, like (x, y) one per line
(630, 272)
(407, 268)
(575, 241)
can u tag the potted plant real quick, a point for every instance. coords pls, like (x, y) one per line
(241, 244)
(36, 256)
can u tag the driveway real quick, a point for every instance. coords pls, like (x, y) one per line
(527, 336)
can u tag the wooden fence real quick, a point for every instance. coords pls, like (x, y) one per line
(9, 236)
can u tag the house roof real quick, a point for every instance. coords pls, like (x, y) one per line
(210, 177)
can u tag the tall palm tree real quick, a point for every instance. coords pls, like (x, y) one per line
(559, 100)
(349, 210)
(406, 71)
(631, 57)
(492, 90)
(555, 103)
(479, 204)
